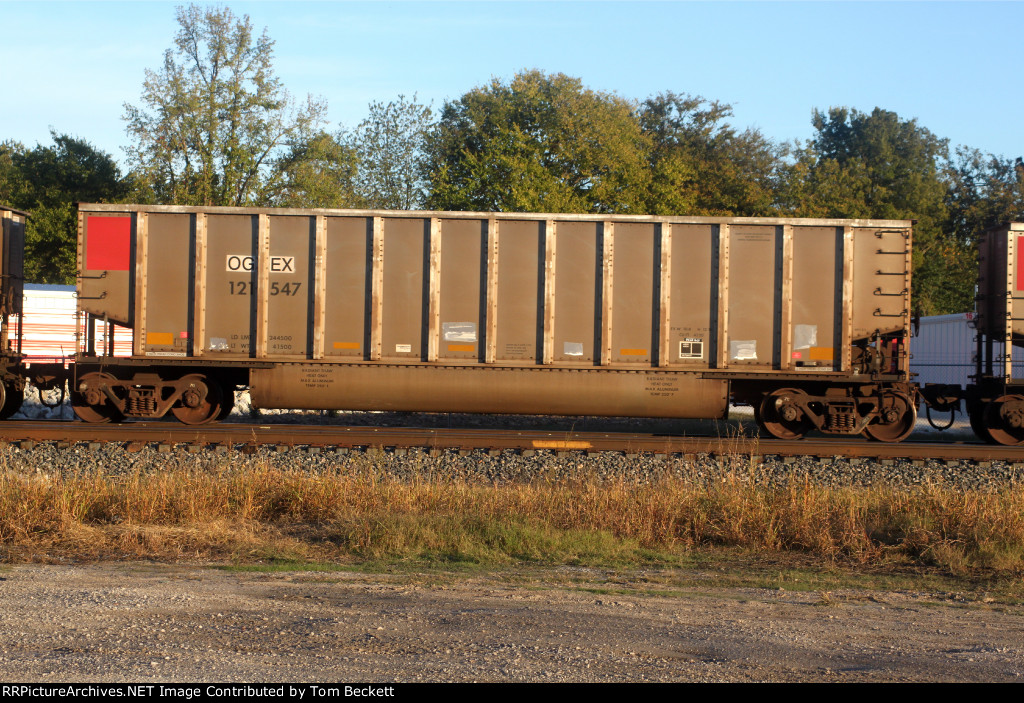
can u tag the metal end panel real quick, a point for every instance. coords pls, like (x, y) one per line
(881, 281)
(1000, 300)
(107, 261)
(12, 282)
(12, 254)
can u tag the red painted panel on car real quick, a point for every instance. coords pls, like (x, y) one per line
(1020, 263)
(109, 243)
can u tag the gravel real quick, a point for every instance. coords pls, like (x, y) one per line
(139, 622)
(512, 466)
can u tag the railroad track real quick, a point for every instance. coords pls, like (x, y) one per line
(248, 437)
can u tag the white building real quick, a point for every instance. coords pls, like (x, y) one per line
(945, 348)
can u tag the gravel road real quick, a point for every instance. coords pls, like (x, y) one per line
(142, 622)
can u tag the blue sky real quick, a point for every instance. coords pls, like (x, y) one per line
(956, 67)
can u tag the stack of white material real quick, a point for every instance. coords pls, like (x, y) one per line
(48, 326)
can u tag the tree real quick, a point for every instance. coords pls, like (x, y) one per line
(10, 179)
(984, 191)
(896, 163)
(700, 165)
(320, 172)
(541, 143)
(47, 181)
(216, 127)
(879, 166)
(390, 147)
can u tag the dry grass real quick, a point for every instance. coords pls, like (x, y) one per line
(266, 513)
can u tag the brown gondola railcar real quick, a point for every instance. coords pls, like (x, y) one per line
(806, 320)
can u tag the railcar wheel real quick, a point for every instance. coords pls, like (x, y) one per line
(1004, 419)
(201, 402)
(780, 414)
(977, 417)
(896, 419)
(227, 402)
(11, 403)
(93, 405)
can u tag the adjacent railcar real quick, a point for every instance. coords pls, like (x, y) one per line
(995, 401)
(806, 320)
(12, 252)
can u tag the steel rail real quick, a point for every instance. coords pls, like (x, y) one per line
(27, 433)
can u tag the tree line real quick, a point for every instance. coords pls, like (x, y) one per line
(215, 126)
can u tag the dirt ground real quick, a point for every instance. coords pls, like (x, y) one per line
(141, 622)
